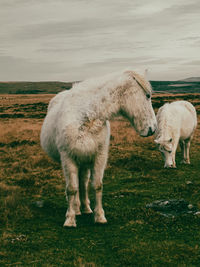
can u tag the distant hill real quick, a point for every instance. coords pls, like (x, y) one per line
(183, 86)
(176, 86)
(33, 87)
(191, 79)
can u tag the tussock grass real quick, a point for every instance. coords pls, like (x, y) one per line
(33, 204)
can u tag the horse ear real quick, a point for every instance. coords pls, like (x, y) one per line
(146, 74)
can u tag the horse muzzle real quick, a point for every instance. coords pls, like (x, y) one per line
(149, 133)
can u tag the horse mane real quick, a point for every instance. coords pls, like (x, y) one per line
(99, 82)
(103, 83)
(146, 86)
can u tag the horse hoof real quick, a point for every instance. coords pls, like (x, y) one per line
(170, 167)
(87, 211)
(185, 162)
(69, 223)
(100, 219)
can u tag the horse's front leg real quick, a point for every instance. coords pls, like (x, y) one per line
(72, 186)
(174, 147)
(97, 176)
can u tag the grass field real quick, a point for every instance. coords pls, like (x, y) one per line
(33, 205)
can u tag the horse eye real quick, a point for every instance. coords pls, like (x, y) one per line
(148, 96)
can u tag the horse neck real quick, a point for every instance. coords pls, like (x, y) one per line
(108, 106)
(105, 102)
(114, 98)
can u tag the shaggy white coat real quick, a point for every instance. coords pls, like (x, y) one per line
(76, 131)
(177, 122)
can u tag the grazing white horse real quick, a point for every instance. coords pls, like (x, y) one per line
(76, 132)
(176, 124)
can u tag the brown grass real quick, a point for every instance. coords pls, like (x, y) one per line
(32, 197)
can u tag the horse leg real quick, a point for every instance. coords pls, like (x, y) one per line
(187, 151)
(77, 203)
(182, 145)
(174, 153)
(97, 175)
(84, 177)
(71, 175)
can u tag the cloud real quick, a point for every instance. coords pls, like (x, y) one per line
(193, 62)
(23, 69)
(86, 37)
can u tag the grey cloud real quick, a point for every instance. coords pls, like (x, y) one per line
(120, 20)
(58, 28)
(21, 68)
(97, 36)
(78, 27)
(193, 62)
(166, 60)
(12, 3)
(190, 38)
(136, 61)
(187, 8)
(176, 13)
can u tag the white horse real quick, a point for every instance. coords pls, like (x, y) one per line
(176, 124)
(76, 132)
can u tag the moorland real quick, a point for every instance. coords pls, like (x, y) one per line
(33, 204)
(190, 85)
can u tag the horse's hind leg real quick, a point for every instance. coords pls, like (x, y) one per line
(84, 177)
(187, 150)
(77, 203)
(97, 176)
(71, 174)
(182, 146)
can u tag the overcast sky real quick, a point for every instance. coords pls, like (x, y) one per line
(68, 40)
